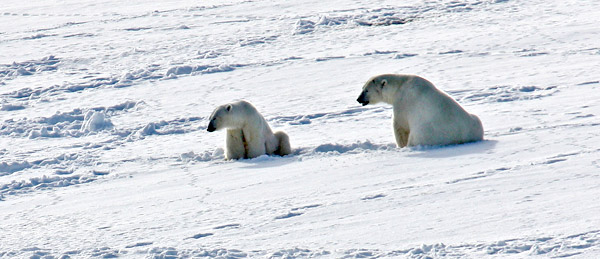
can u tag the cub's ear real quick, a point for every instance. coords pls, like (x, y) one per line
(383, 83)
(228, 108)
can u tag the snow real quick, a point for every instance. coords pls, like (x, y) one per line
(104, 150)
(95, 121)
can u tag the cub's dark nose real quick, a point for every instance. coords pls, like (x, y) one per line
(211, 127)
(362, 99)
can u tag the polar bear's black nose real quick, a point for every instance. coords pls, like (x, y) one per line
(211, 127)
(362, 99)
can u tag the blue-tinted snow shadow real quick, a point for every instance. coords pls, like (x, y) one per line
(266, 161)
(479, 147)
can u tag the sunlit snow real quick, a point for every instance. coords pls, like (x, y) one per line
(104, 150)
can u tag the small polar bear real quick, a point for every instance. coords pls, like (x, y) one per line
(422, 114)
(248, 134)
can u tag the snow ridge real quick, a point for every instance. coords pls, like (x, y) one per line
(27, 68)
(556, 247)
(76, 123)
(44, 183)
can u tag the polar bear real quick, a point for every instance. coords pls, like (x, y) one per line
(248, 134)
(422, 114)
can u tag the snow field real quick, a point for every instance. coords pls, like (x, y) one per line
(104, 150)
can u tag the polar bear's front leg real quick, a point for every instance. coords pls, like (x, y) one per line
(255, 143)
(401, 135)
(234, 144)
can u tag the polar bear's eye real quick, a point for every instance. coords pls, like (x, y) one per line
(383, 82)
(228, 108)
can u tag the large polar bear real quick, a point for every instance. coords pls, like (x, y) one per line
(248, 134)
(423, 115)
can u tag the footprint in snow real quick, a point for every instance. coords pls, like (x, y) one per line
(372, 197)
(201, 235)
(306, 207)
(139, 244)
(289, 215)
(234, 225)
(294, 212)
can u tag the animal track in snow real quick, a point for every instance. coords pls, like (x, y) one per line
(589, 83)
(294, 212)
(329, 58)
(306, 207)
(373, 197)
(201, 235)
(233, 225)
(480, 175)
(456, 51)
(139, 244)
(289, 215)
(530, 53)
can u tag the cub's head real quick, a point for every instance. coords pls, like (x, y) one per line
(372, 91)
(224, 117)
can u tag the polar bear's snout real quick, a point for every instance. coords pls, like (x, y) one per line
(211, 126)
(362, 99)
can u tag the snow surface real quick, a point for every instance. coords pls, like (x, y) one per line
(104, 150)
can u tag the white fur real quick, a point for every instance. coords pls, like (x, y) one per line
(248, 134)
(423, 114)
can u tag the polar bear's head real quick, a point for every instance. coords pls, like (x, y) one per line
(226, 116)
(372, 91)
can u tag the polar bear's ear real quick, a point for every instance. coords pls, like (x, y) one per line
(383, 83)
(228, 108)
